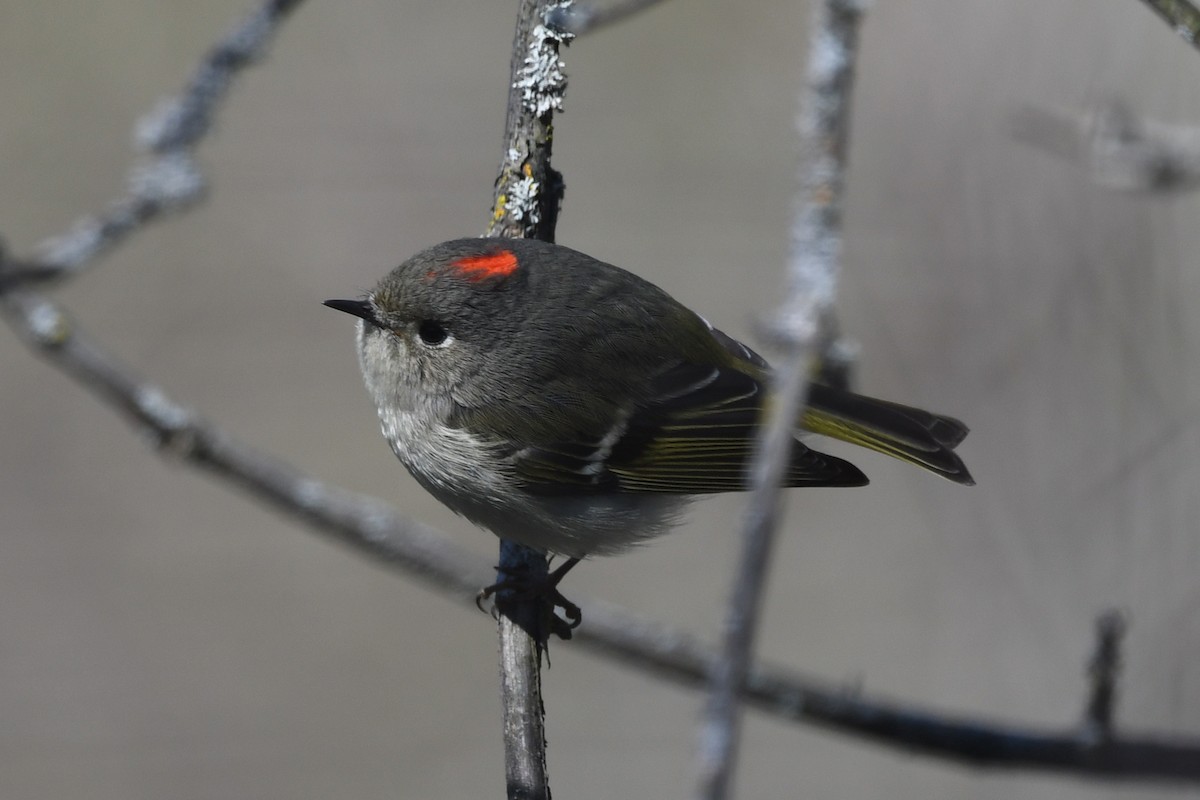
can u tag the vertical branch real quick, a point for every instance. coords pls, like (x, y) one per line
(1103, 671)
(811, 284)
(525, 205)
(528, 190)
(521, 640)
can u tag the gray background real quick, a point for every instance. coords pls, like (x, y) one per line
(163, 637)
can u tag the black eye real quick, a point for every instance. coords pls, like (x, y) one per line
(432, 333)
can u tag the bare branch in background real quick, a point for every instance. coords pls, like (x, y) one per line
(836, 354)
(1181, 15)
(1103, 671)
(381, 533)
(812, 280)
(582, 18)
(976, 743)
(369, 525)
(1116, 148)
(165, 178)
(377, 531)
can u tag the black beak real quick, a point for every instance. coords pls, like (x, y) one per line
(359, 308)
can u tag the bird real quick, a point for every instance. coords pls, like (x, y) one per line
(573, 407)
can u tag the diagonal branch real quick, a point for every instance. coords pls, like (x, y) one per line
(583, 18)
(370, 526)
(1116, 148)
(1181, 15)
(971, 742)
(165, 178)
(377, 531)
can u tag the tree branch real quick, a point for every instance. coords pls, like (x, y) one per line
(528, 190)
(369, 525)
(525, 205)
(582, 18)
(812, 279)
(378, 531)
(1103, 671)
(1117, 149)
(975, 743)
(165, 177)
(1181, 15)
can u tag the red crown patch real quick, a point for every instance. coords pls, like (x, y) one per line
(499, 264)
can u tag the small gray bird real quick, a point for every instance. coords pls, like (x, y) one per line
(569, 405)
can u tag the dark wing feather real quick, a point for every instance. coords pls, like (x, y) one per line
(903, 432)
(695, 434)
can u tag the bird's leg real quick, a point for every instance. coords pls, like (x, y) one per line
(520, 583)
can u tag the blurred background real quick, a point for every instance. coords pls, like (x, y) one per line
(162, 636)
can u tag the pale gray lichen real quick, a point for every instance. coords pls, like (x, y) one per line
(542, 79)
(310, 494)
(169, 180)
(522, 201)
(828, 58)
(76, 247)
(181, 121)
(169, 426)
(248, 41)
(159, 124)
(166, 414)
(378, 522)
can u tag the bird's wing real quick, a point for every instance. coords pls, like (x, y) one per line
(903, 432)
(694, 434)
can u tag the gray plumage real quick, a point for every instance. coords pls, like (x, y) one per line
(574, 407)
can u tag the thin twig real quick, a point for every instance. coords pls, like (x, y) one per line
(165, 178)
(1182, 16)
(1103, 670)
(369, 525)
(1118, 149)
(977, 743)
(583, 18)
(812, 279)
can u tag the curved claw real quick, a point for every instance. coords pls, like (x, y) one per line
(540, 588)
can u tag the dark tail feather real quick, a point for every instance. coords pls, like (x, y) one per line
(909, 434)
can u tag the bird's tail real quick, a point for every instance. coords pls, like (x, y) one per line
(909, 434)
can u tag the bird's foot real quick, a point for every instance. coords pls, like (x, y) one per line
(520, 585)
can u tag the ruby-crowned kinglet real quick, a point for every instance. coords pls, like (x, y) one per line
(570, 406)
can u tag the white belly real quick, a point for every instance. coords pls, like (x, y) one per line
(473, 479)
